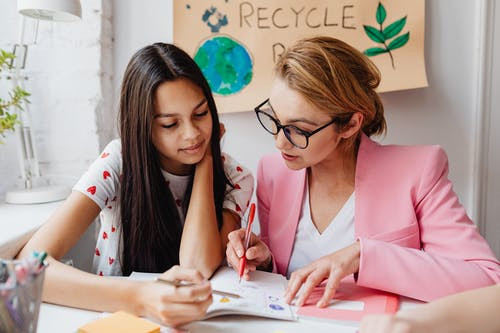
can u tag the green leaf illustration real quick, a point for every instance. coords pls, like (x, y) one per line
(374, 34)
(383, 35)
(398, 42)
(381, 13)
(394, 28)
(373, 51)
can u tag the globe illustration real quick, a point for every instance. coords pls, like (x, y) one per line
(226, 64)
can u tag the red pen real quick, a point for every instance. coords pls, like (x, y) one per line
(248, 232)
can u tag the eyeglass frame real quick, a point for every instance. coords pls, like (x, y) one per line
(279, 126)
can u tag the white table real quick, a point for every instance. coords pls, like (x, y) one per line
(55, 319)
(19, 222)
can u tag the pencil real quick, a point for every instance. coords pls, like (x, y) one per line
(185, 284)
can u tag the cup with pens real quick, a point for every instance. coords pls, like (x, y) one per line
(21, 284)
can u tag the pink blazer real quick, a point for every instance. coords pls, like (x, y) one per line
(416, 238)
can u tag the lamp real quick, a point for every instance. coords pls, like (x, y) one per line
(47, 10)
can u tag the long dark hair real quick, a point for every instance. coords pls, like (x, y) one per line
(151, 224)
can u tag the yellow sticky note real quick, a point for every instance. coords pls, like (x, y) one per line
(120, 322)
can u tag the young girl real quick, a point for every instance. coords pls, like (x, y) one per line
(165, 195)
(335, 203)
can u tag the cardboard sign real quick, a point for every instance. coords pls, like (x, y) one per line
(236, 43)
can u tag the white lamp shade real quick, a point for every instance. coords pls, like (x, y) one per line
(51, 10)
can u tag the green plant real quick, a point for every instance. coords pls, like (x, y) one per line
(382, 35)
(17, 96)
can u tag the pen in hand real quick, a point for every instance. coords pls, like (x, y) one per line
(248, 232)
(185, 284)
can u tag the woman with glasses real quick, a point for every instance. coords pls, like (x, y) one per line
(335, 203)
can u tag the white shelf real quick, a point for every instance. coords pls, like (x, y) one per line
(19, 222)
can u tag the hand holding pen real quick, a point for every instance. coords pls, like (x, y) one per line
(248, 249)
(248, 231)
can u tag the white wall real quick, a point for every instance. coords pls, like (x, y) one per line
(70, 77)
(491, 199)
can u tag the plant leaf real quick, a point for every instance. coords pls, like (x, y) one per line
(373, 51)
(374, 34)
(400, 41)
(394, 28)
(381, 13)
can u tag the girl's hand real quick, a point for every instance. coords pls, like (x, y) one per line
(174, 306)
(258, 254)
(333, 267)
(385, 324)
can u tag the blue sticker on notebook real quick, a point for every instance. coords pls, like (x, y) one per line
(276, 307)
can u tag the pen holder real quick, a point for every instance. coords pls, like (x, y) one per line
(21, 284)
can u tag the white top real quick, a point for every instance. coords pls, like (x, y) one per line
(310, 245)
(101, 183)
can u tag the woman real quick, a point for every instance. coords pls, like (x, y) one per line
(335, 203)
(165, 195)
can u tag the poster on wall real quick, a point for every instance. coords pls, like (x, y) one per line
(237, 42)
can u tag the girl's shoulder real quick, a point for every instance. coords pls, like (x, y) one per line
(233, 167)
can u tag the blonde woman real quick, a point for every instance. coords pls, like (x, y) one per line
(333, 202)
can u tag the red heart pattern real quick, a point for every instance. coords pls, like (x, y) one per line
(239, 169)
(238, 208)
(97, 253)
(91, 190)
(237, 186)
(111, 260)
(113, 229)
(100, 273)
(104, 235)
(105, 174)
(104, 155)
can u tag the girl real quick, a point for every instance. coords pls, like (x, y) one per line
(165, 195)
(335, 203)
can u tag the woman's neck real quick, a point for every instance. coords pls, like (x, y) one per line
(337, 171)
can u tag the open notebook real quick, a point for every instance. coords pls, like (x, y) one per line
(262, 296)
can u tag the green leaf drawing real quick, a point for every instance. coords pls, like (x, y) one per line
(381, 13)
(373, 51)
(394, 28)
(383, 35)
(374, 34)
(398, 42)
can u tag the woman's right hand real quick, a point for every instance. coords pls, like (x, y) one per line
(258, 254)
(175, 306)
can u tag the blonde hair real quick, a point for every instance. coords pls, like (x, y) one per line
(337, 79)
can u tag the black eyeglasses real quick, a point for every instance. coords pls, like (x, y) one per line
(297, 137)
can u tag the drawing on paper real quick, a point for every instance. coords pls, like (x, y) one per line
(383, 35)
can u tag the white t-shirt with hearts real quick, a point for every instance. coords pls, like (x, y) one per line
(101, 183)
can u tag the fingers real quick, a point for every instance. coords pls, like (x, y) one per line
(331, 287)
(177, 273)
(259, 252)
(176, 314)
(190, 294)
(232, 259)
(296, 280)
(236, 239)
(314, 279)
